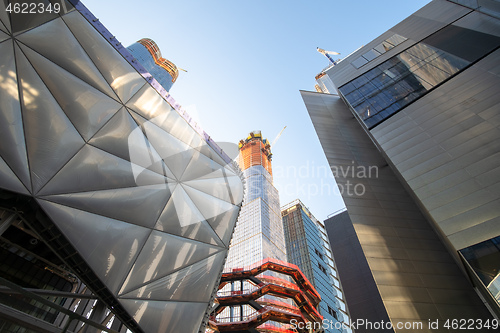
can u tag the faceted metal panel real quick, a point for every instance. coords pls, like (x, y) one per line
(196, 228)
(9, 180)
(112, 179)
(51, 138)
(56, 42)
(198, 289)
(11, 123)
(86, 107)
(87, 164)
(3, 36)
(224, 224)
(112, 65)
(113, 137)
(166, 316)
(138, 205)
(109, 246)
(150, 105)
(23, 21)
(4, 18)
(162, 255)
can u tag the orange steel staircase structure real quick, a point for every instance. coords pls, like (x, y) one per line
(305, 299)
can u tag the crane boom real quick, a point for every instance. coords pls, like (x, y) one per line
(327, 54)
(277, 137)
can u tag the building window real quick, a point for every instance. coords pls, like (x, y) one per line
(323, 269)
(381, 48)
(390, 86)
(332, 313)
(319, 254)
(484, 259)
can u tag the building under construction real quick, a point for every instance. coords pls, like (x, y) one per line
(259, 291)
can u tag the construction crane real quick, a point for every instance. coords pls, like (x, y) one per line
(278, 136)
(327, 54)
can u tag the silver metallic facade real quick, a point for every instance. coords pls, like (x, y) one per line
(427, 117)
(127, 185)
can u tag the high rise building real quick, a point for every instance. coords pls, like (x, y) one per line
(259, 290)
(411, 134)
(115, 209)
(308, 247)
(148, 54)
(259, 231)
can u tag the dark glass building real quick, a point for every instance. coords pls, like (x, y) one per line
(308, 247)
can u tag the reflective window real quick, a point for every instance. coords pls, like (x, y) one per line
(359, 62)
(381, 48)
(392, 85)
(370, 55)
(484, 259)
(387, 88)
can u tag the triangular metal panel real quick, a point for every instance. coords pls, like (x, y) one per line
(191, 284)
(199, 166)
(108, 246)
(9, 181)
(149, 104)
(166, 317)
(3, 35)
(86, 107)
(3, 28)
(208, 205)
(162, 255)
(121, 76)
(229, 189)
(208, 151)
(138, 205)
(223, 224)
(93, 169)
(55, 42)
(13, 145)
(174, 153)
(122, 137)
(66, 7)
(24, 21)
(173, 220)
(51, 139)
(186, 211)
(4, 18)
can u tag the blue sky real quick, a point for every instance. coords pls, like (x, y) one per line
(247, 61)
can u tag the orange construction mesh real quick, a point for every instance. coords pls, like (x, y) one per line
(254, 152)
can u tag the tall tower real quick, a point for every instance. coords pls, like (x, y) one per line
(259, 291)
(259, 230)
(308, 247)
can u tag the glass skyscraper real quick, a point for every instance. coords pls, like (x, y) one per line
(148, 54)
(307, 246)
(259, 231)
(260, 289)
